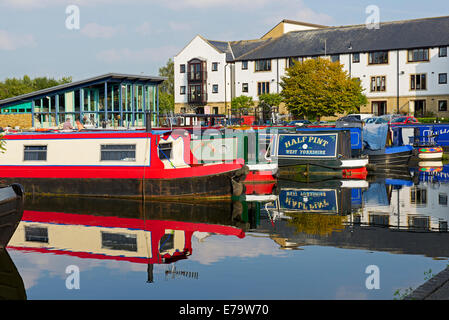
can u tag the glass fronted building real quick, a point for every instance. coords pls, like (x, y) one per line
(112, 100)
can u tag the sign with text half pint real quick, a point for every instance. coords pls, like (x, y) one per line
(307, 145)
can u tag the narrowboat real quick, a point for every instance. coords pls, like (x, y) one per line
(335, 197)
(125, 164)
(423, 139)
(385, 147)
(213, 145)
(313, 153)
(127, 231)
(11, 210)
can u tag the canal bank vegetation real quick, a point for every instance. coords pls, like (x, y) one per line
(167, 88)
(316, 223)
(319, 88)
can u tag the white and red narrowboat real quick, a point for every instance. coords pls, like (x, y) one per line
(119, 238)
(125, 164)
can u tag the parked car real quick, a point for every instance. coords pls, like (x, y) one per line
(404, 120)
(299, 123)
(361, 116)
(376, 120)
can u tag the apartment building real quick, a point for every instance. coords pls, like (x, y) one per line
(403, 66)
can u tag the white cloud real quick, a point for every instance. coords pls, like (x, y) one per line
(94, 30)
(299, 11)
(10, 41)
(217, 248)
(160, 54)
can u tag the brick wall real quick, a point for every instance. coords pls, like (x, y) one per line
(13, 120)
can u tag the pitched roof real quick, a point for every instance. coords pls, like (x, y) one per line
(75, 84)
(396, 35)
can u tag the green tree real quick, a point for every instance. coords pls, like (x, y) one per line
(12, 87)
(167, 88)
(318, 87)
(271, 99)
(241, 104)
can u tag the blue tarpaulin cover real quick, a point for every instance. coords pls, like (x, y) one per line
(375, 136)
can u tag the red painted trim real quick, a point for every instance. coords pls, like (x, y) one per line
(129, 223)
(356, 173)
(260, 176)
(79, 135)
(83, 255)
(259, 188)
(114, 172)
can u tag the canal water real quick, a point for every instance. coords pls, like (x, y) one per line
(374, 239)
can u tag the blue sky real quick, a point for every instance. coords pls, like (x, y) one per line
(137, 36)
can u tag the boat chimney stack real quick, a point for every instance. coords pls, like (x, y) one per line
(148, 121)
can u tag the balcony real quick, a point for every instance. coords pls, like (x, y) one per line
(197, 98)
(199, 76)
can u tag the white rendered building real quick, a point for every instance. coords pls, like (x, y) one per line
(403, 65)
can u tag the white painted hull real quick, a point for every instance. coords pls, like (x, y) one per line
(435, 155)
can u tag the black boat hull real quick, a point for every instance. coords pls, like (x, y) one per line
(391, 159)
(222, 185)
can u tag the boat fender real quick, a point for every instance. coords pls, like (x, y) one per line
(18, 189)
(238, 188)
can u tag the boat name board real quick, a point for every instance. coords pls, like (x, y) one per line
(309, 200)
(307, 145)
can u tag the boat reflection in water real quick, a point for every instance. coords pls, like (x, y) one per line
(404, 213)
(154, 233)
(11, 210)
(400, 215)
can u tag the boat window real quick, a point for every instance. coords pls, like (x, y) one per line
(119, 241)
(35, 153)
(165, 150)
(379, 220)
(36, 234)
(167, 242)
(118, 152)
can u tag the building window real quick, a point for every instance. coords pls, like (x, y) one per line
(263, 65)
(118, 152)
(36, 234)
(215, 110)
(442, 105)
(416, 55)
(245, 87)
(165, 150)
(182, 68)
(215, 88)
(442, 51)
(291, 61)
(378, 57)
(418, 196)
(442, 78)
(182, 90)
(442, 199)
(418, 81)
(356, 57)
(35, 153)
(263, 88)
(378, 84)
(214, 66)
(335, 58)
(244, 65)
(379, 220)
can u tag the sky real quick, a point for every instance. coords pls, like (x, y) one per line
(42, 38)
